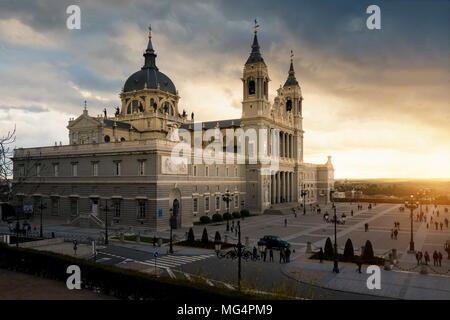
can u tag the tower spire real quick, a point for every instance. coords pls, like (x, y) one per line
(291, 80)
(255, 55)
(150, 54)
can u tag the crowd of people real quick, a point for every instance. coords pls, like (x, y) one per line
(424, 258)
(285, 255)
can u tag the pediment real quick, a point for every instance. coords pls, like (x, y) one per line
(84, 121)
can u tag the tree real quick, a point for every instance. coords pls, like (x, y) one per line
(328, 252)
(191, 237)
(368, 251)
(6, 164)
(205, 236)
(349, 253)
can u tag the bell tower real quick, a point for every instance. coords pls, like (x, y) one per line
(255, 83)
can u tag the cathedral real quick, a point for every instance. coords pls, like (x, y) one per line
(120, 170)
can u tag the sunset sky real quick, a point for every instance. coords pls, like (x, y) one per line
(377, 101)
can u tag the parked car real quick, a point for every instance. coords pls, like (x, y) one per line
(275, 242)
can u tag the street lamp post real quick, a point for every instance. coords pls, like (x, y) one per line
(227, 198)
(105, 209)
(239, 252)
(171, 222)
(42, 206)
(335, 266)
(412, 205)
(303, 194)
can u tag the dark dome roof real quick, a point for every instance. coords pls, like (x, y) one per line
(149, 76)
(152, 77)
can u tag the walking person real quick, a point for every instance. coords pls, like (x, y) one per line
(285, 222)
(321, 255)
(427, 257)
(441, 225)
(281, 254)
(395, 234)
(440, 259)
(359, 264)
(420, 257)
(271, 255)
(288, 255)
(265, 254)
(255, 253)
(392, 233)
(417, 257)
(435, 258)
(446, 223)
(436, 224)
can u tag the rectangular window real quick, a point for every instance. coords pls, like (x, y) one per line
(141, 209)
(228, 172)
(55, 206)
(194, 171)
(206, 203)
(74, 169)
(141, 168)
(236, 201)
(21, 171)
(195, 205)
(236, 172)
(217, 171)
(55, 169)
(38, 170)
(217, 203)
(117, 209)
(117, 168)
(206, 171)
(95, 169)
(74, 207)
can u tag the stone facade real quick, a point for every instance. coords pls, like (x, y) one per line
(124, 162)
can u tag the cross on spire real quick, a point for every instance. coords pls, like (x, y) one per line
(256, 26)
(149, 30)
(85, 104)
(292, 55)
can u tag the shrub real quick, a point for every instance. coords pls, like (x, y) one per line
(245, 213)
(236, 215)
(205, 219)
(191, 237)
(329, 252)
(217, 217)
(205, 236)
(226, 216)
(349, 253)
(368, 251)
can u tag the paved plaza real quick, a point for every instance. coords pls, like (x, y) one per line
(404, 281)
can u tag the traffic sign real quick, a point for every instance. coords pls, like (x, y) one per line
(160, 213)
(155, 254)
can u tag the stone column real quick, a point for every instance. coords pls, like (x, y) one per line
(278, 186)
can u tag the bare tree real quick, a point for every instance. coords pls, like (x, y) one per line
(6, 163)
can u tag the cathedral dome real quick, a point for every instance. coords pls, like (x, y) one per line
(149, 77)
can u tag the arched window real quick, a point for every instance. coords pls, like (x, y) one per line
(153, 104)
(129, 109)
(107, 139)
(300, 106)
(265, 88)
(122, 139)
(289, 105)
(251, 87)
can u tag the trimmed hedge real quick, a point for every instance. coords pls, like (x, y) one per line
(368, 251)
(205, 219)
(217, 217)
(245, 213)
(226, 216)
(191, 237)
(205, 236)
(349, 253)
(329, 251)
(111, 280)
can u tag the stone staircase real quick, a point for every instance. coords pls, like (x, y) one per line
(87, 220)
(282, 209)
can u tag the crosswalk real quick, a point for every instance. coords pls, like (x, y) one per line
(163, 262)
(170, 261)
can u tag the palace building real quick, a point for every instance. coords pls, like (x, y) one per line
(122, 165)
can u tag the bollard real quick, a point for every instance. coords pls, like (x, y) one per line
(121, 236)
(308, 247)
(138, 238)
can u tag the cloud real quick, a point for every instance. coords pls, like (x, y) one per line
(31, 109)
(368, 94)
